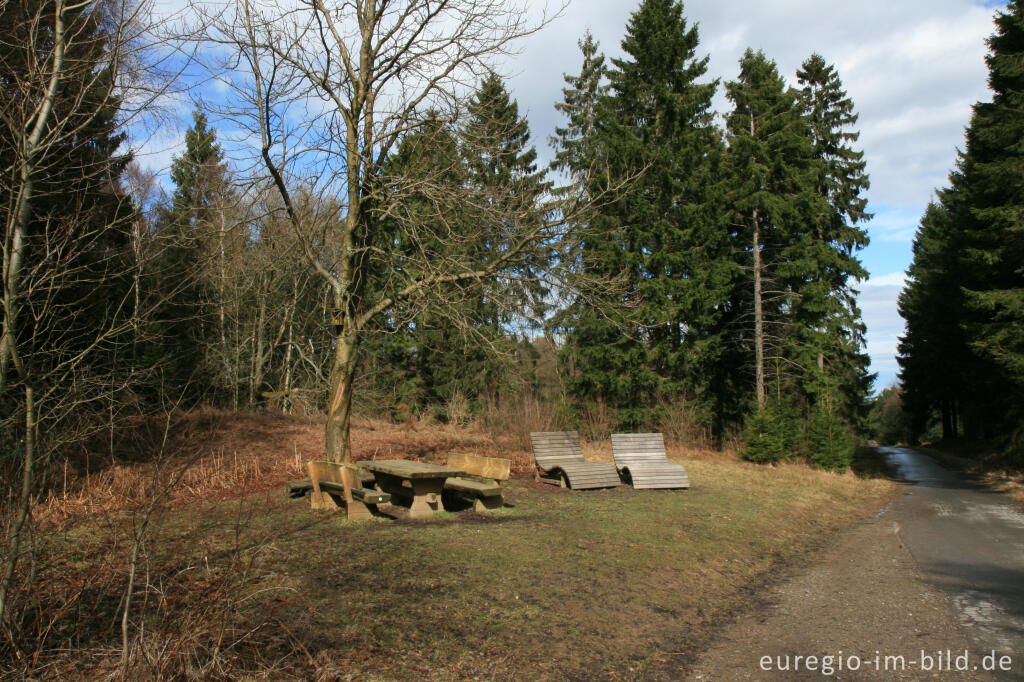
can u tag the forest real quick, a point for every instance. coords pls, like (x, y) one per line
(962, 355)
(377, 237)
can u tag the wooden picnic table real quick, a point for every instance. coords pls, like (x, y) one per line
(418, 483)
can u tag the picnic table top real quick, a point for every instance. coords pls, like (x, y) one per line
(410, 469)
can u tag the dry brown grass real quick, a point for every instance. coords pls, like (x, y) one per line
(248, 583)
(227, 455)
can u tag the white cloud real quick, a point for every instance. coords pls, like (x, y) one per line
(893, 279)
(913, 69)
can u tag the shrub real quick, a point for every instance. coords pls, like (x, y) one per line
(828, 441)
(764, 436)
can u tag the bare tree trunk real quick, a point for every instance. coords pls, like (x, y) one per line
(339, 409)
(287, 400)
(221, 298)
(758, 315)
(758, 303)
(24, 505)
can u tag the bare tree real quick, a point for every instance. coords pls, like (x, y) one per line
(70, 74)
(324, 92)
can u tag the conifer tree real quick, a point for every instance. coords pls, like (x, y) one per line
(830, 345)
(774, 198)
(190, 227)
(490, 156)
(960, 356)
(664, 232)
(575, 143)
(994, 184)
(935, 362)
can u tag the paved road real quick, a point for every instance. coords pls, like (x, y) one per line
(968, 542)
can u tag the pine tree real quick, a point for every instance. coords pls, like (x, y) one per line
(774, 196)
(190, 227)
(830, 348)
(664, 233)
(994, 183)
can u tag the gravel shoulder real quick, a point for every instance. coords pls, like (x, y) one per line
(863, 596)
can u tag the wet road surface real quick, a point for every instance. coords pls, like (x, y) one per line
(969, 542)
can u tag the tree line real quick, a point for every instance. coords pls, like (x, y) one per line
(962, 356)
(664, 268)
(376, 233)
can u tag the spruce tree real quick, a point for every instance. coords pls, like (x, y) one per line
(466, 347)
(655, 128)
(201, 196)
(960, 356)
(765, 439)
(994, 183)
(936, 365)
(829, 445)
(830, 344)
(575, 143)
(774, 197)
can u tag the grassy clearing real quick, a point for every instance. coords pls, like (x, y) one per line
(559, 585)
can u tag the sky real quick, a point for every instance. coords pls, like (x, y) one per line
(913, 68)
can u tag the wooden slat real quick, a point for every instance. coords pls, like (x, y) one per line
(367, 496)
(473, 487)
(642, 456)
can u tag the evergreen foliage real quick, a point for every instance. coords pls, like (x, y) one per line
(201, 199)
(961, 356)
(830, 332)
(774, 202)
(829, 445)
(66, 302)
(655, 129)
(765, 436)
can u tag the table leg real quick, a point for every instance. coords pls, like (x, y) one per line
(423, 495)
(426, 497)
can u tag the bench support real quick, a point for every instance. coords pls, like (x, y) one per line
(332, 489)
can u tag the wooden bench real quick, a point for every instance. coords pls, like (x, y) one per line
(301, 487)
(482, 482)
(560, 462)
(331, 486)
(640, 457)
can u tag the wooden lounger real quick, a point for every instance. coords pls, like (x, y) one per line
(640, 457)
(560, 462)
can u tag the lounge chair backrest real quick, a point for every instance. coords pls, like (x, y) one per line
(638, 448)
(552, 449)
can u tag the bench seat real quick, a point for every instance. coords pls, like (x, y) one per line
(482, 482)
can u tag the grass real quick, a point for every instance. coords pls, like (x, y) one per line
(558, 585)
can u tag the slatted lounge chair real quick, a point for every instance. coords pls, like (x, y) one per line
(560, 462)
(640, 457)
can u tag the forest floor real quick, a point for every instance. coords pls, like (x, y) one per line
(234, 579)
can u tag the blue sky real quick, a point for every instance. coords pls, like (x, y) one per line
(912, 67)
